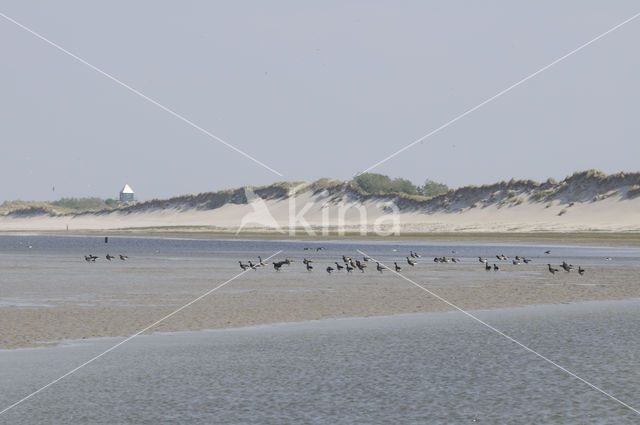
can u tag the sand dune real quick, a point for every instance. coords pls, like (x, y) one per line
(609, 215)
(584, 202)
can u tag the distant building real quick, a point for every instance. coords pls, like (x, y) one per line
(127, 194)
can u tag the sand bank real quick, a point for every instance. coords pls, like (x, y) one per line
(122, 305)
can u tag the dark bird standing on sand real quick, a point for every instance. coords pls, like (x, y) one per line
(551, 269)
(349, 268)
(487, 267)
(379, 267)
(338, 266)
(411, 262)
(398, 268)
(309, 267)
(110, 257)
(580, 270)
(277, 265)
(495, 268)
(123, 257)
(329, 269)
(243, 266)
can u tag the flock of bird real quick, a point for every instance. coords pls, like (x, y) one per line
(517, 260)
(92, 258)
(349, 264)
(567, 268)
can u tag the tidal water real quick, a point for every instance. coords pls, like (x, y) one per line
(426, 368)
(42, 248)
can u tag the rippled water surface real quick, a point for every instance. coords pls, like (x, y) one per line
(433, 368)
(438, 368)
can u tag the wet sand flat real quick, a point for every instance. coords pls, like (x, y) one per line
(48, 298)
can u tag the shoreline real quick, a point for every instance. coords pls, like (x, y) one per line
(94, 324)
(270, 325)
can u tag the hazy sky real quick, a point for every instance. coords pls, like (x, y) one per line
(313, 89)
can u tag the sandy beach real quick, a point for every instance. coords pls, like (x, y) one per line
(578, 204)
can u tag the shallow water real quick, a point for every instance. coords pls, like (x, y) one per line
(436, 368)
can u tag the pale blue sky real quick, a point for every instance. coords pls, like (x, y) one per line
(313, 89)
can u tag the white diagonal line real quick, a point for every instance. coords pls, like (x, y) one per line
(505, 336)
(129, 338)
(492, 98)
(142, 95)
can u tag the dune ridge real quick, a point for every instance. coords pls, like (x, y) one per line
(586, 201)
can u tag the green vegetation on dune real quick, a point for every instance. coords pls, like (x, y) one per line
(379, 184)
(432, 188)
(85, 204)
(373, 183)
(59, 207)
